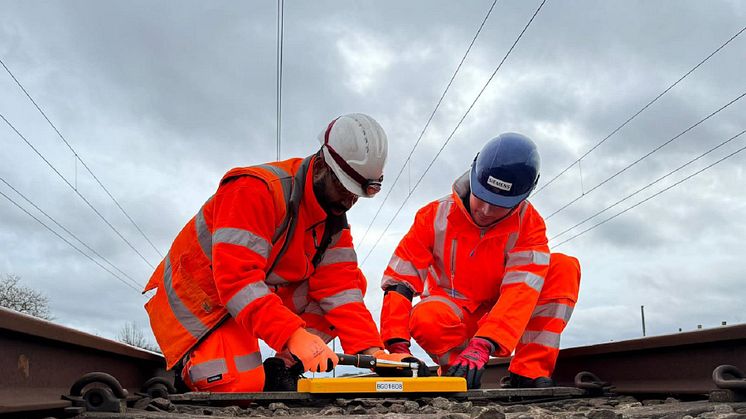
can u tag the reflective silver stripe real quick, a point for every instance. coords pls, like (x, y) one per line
(208, 369)
(522, 210)
(544, 338)
(203, 234)
(244, 238)
(513, 237)
(186, 318)
(246, 296)
(510, 243)
(335, 239)
(516, 277)
(440, 225)
(405, 267)
(277, 171)
(454, 293)
(326, 338)
(287, 189)
(353, 295)
(300, 297)
(389, 281)
(454, 307)
(274, 279)
(440, 276)
(527, 257)
(443, 359)
(338, 255)
(248, 362)
(313, 307)
(554, 310)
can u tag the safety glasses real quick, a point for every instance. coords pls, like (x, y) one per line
(369, 186)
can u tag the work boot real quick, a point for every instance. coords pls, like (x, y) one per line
(278, 377)
(519, 381)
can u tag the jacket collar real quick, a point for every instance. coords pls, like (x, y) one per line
(310, 206)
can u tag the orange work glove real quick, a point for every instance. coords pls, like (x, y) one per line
(311, 351)
(422, 371)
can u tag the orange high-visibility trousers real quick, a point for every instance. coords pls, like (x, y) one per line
(537, 351)
(443, 329)
(229, 361)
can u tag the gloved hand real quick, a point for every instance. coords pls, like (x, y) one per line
(470, 363)
(398, 347)
(311, 351)
(422, 370)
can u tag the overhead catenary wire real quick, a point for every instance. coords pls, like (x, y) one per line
(66, 230)
(78, 158)
(68, 242)
(77, 192)
(647, 105)
(448, 139)
(651, 152)
(280, 36)
(650, 197)
(567, 230)
(427, 124)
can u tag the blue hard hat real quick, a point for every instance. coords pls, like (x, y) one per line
(506, 170)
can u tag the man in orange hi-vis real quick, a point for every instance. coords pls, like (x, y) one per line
(269, 256)
(478, 258)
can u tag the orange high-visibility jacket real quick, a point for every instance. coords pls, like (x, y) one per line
(217, 265)
(499, 270)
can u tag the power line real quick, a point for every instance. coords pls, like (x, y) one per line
(640, 111)
(78, 158)
(75, 190)
(67, 231)
(645, 156)
(649, 185)
(651, 196)
(280, 36)
(427, 124)
(68, 242)
(454, 130)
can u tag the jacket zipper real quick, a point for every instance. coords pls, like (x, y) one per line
(474, 249)
(454, 244)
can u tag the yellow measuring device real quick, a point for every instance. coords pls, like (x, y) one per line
(382, 385)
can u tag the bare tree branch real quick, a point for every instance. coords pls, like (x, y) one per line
(131, 334)
(23, 299)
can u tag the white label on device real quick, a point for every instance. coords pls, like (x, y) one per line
(389, 386)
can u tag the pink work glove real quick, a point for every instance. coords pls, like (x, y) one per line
(471, 362)
(399, 347)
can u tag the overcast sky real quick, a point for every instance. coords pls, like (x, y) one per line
(159, 99)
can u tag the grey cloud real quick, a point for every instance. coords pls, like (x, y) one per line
(161, 99)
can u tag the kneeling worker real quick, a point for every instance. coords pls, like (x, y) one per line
(479, 260)
(269, 256)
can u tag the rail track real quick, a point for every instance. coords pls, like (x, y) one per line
(50, 369)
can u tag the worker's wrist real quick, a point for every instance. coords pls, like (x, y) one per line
(492, 344)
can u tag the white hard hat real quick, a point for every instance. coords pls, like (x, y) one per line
(355, 147)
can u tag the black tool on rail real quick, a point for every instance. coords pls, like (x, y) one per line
(369, 361)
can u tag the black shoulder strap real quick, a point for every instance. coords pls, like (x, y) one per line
(291, 220)
(334, 224)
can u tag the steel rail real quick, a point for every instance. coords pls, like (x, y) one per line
(681, 363)
(41, 360)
